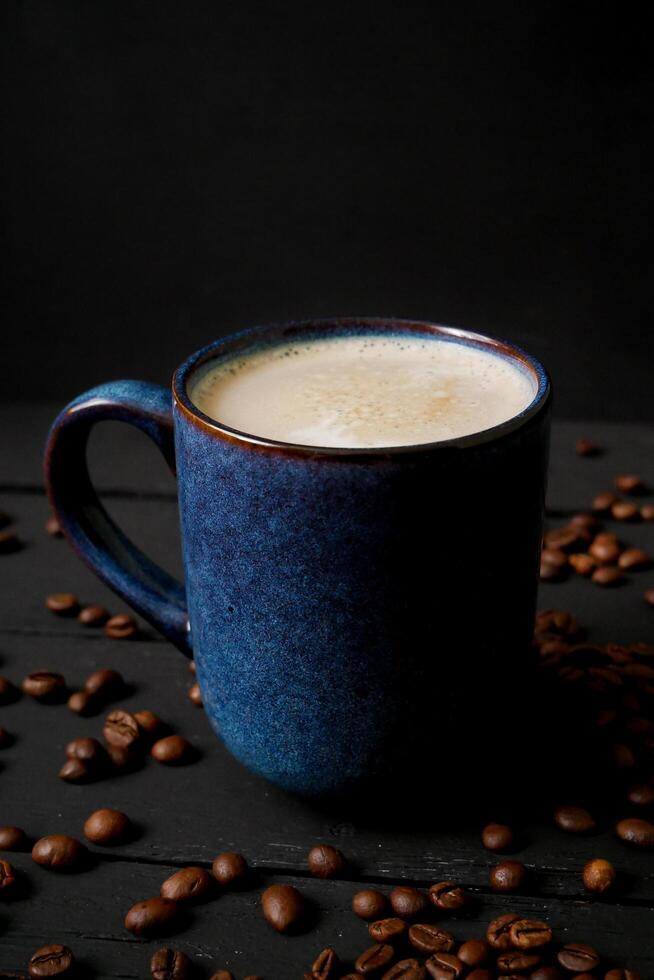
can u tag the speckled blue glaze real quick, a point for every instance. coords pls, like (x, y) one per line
(347, 608)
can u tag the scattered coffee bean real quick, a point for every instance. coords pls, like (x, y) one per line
(45, 686)
(104, 684)
(625, 510)
(407, 902)
(92, 616)
(53, 527)
(8, 692)
(87, 749)
(583, 564)
(497, 837)
(230, 869)
(574, 819)
(474, 952)
(507, 876)
(6, 738)
(447, 895)
(326, 965)
(634, 560)
(647, 512)
(83, 704)
(598, 876)
(121, 728)
(641, 794)
(586, 447)
(648, 596)
(387, 930)
(605, 548)
(530, 934)
(374, 959)
(57, 852)
(195, 695)
(151, 917)
(7, 877)
(608, 576)
(188, 885)
(150, 724)
(565, 538)
(517, 962)
(170, 964)
(444, 966)
(369, 904)
(76, 771)
(13, 839)
(550, 571)
(51, 961)
(427, 938)
(498, 931)
(9, 542)
(173, 750)
(63, 604)
(121, 627)
(635, 830)
(406, 970)
(557, 621)
(283, 907)
(107, 827)
(554, 556)
(630, 483)
(325, 861)
(603, 502)
(120, 758)
(578, 958)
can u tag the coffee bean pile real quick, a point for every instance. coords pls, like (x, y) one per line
(119, 627)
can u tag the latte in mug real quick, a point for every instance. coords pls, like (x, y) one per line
(363, 391)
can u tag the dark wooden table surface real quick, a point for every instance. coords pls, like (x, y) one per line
(187, 815)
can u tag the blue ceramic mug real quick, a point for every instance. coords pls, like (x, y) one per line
(346, 609)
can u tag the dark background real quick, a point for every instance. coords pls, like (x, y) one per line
(175, 171)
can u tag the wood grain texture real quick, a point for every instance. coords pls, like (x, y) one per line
(190, 814)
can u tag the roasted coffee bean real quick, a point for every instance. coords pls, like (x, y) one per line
(325, 966)
(635, 830)
(630, 483)
(6, 738)
(603, 502)
(474, 952)
(621, 975)
(51, 961)
(554, 556)
(121, 728)
(92, 616)
(374, 959)
(507, 876)
(283, 907)
(407, 902)
(387, 930)
(529, 934)
(369, 904)
(170, 964)
(634, 560)
(63, 604)
(608, 576)
(173, 750)
(648, 596)
(57, 852)
(8, 692)
(557, 621)
(325, 861)
(582, 563)
(647, 512)
(589, 522)
(427, 938)
(641, 794)
(586, 447)
(517, 962)
(122, 627)
(578, 958)
(87, 749)
(151, 917)
(406, 970)
(497, 837)
(625, 510)
(104, 684)
(447, 895)
(498, 931)
(230, 869)
(45, 686)
(605, 548)
(76, 771)
(12, 839)
(550, 572)
(7, 877)
(546, 973)
(599, 876)
(565, 538)
(574, 819)
(150, 724)
(120, 758)
(195, 695)
(53, 527)
(444, 966)
(188, 885)
(107, 827)
(222, 975)
(83, 704)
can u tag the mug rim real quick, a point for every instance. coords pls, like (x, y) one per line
(249, 337)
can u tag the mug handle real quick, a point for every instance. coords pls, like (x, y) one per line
(151, 591)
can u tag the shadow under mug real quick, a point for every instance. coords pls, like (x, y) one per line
(353, 614)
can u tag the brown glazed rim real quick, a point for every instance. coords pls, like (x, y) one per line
(255, 336)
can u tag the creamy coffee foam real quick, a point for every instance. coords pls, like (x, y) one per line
(363, 391)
